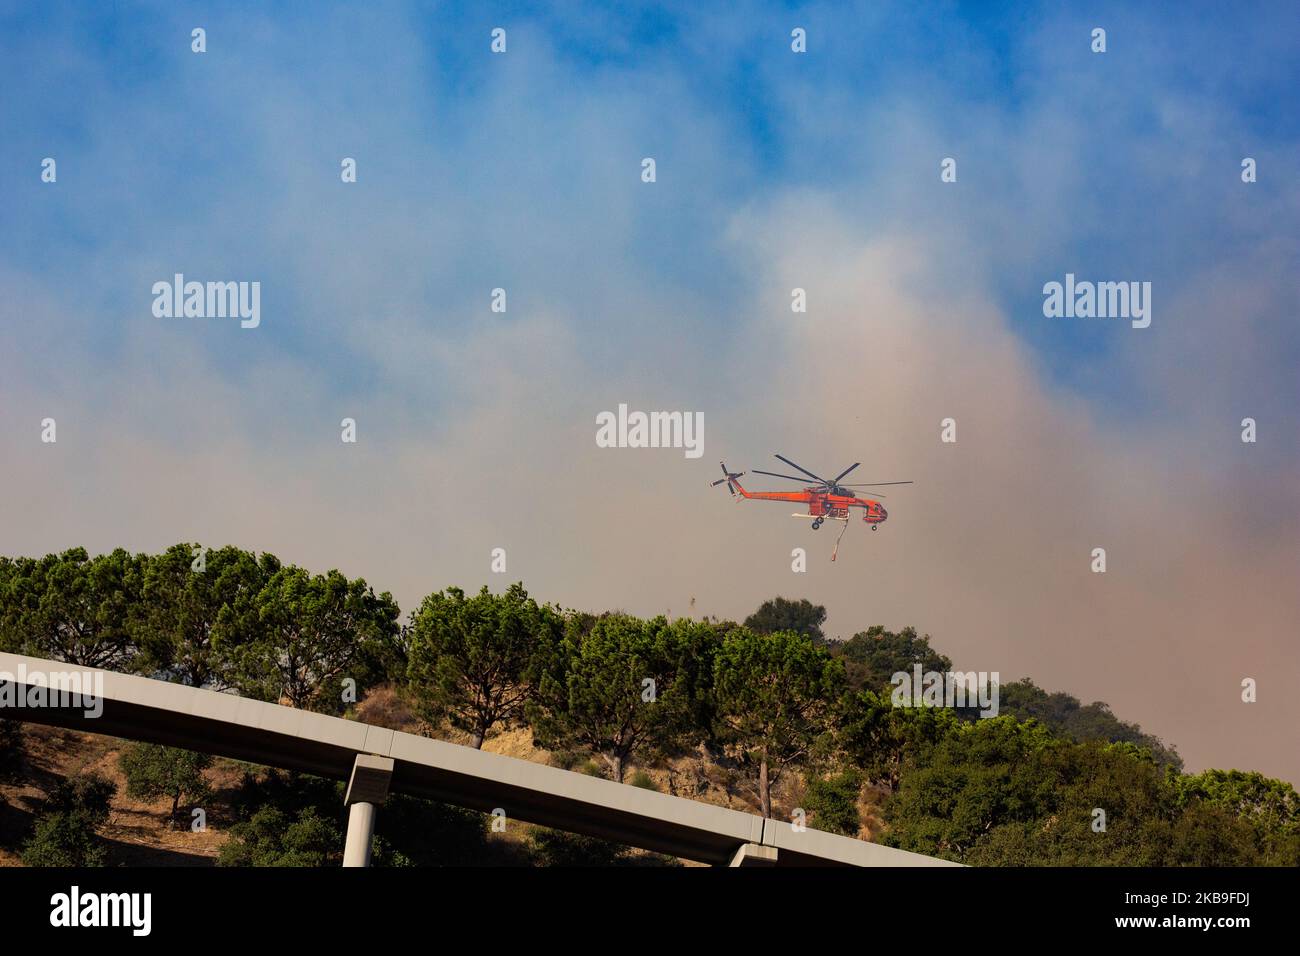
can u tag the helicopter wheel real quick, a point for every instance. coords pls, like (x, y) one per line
(873, 527)
(817, 523)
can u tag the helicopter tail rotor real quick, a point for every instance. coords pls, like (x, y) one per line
(730, 478)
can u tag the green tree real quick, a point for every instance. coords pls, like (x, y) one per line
(1143, 823)
(781, 614)
(1274, 804)
(67, 830)
(1066, 717)
(73, 608)
(973, 779)
(311, 632)
(833, 802)
(154, 771)
(872, 657)
(1006, 792)
(471, 659)
(774, 695)
(192, 619)
(1207, 835)
(272, 837)
(10, 639)
(877, 737)
(1270, 808)
(594, 691)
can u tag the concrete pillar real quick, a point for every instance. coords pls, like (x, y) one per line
(367, 789)
(361, 828)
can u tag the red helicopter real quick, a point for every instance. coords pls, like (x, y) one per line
(825, 499)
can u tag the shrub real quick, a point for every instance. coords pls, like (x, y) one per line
(272, 837)
(566, 759)
(87, 793)
(290, 819)
(64, 839)
(67, 830)
(833, 803)
(417, 832)
(559, 848)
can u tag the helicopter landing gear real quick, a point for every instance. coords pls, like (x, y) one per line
(873, 527)
(817, 523)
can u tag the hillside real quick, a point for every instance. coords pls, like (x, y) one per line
(138, 833)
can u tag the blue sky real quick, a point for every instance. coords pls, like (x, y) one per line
(152, 137)
(775, 170)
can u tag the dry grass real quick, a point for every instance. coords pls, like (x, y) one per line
(138, 833)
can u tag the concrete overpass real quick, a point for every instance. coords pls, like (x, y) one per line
(375, 760)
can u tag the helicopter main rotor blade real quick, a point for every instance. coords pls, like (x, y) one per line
(870, 484)
(773, 474)
(836, 479)
(803, 469)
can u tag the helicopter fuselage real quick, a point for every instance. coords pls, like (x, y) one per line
(826, 499)
(822, 504)
(837, 506)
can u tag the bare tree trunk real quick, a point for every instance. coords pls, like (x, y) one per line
(615, 762)
(476, 740)
(764, 789)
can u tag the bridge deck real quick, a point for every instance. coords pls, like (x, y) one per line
(140, 708)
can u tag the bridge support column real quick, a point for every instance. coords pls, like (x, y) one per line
(367, 789)
(361, 828)
(754, 854)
